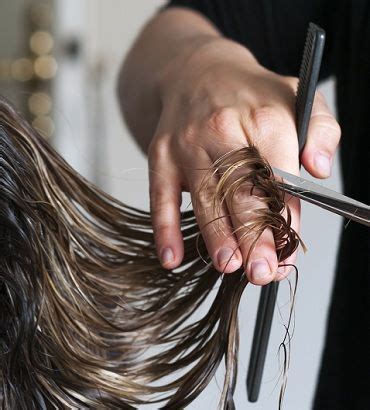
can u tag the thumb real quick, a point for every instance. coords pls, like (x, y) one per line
(322, 140)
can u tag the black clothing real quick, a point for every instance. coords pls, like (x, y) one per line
(274, 30)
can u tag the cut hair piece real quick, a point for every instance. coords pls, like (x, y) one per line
(88, 317)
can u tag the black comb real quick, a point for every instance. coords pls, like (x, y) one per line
(308, 77)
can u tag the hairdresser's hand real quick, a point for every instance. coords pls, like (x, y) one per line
(212, 99)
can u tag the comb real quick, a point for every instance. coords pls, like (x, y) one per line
(308, 77)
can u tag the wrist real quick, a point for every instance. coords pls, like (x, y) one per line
(200, 54)
(171, 71)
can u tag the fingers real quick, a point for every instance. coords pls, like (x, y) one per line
(214, 224)
(226, 232)
(228, 251)
(295, 209)
(262, 265)
(165, 201)
(259, 258)
(260, 261)
(322, 140)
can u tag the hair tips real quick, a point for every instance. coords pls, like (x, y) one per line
(89, 318)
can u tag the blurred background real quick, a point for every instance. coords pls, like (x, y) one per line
(58, 64)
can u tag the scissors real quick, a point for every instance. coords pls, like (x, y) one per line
(324, 197)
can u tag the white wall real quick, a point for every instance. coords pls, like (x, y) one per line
(107, 29)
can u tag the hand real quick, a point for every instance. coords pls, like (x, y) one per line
(212, 99)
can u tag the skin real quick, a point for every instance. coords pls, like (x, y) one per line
(190, 95)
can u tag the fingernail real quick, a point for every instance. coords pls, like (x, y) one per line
(227, 256)
(323, 164)
(260, 269)
(167, 256)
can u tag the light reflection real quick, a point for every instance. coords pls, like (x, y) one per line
(41, 42)
(22, 69)
(40, 103)
(44, 125)
(45, 67)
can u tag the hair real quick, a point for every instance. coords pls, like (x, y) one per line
(88, 317)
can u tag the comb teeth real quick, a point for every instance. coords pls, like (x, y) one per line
(308, 76)
(307, 53)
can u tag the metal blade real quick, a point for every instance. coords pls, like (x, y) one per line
(324, 197)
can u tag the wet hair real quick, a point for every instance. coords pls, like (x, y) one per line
(88, 317)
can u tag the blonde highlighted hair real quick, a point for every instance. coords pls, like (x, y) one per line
(89, 318)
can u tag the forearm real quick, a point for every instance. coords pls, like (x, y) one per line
(170, 35)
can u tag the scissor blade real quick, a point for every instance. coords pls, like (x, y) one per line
(324, 197)
(308, 186)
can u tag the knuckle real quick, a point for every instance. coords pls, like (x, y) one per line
(158, 200)
(222, 120)
(189, 134)
(205, 196)
(328, 130)
(332, 134)
(164, 198)
(336, 131)
(245, 194)
(266, 119)
(158, 148)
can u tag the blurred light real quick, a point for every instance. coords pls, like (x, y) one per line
(5, 68)
(41, 42)
(41, 14)
(39, 103)
(22, 69)
(45, 67)
(44, 125)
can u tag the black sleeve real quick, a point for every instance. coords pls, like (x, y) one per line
(274, 30)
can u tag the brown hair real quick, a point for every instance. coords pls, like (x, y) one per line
(89, 318)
